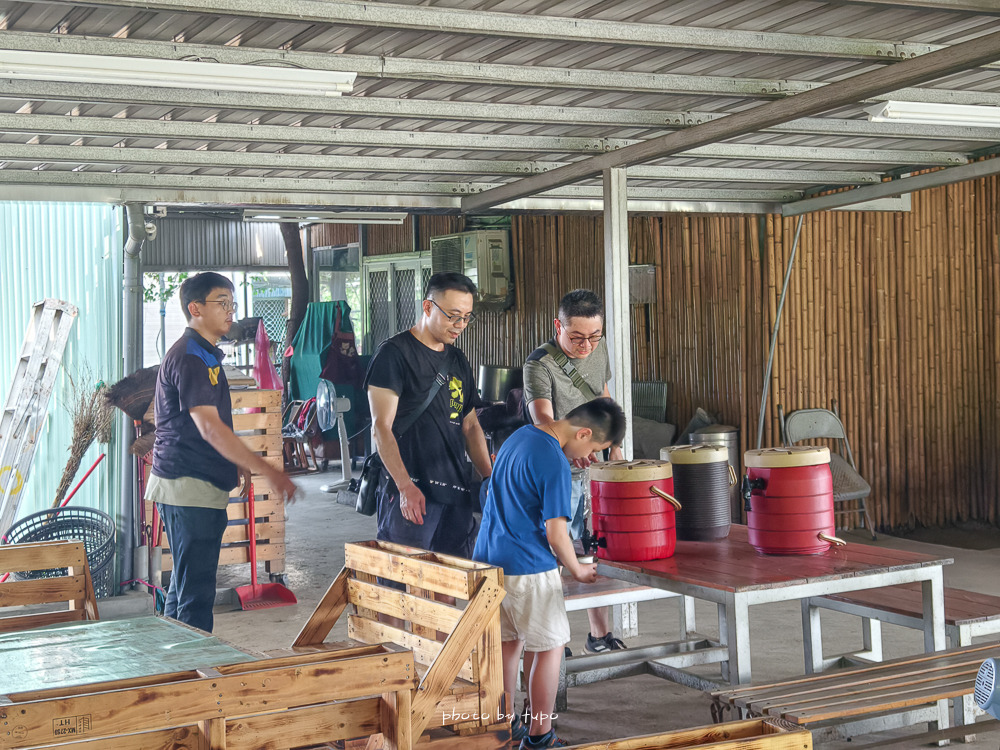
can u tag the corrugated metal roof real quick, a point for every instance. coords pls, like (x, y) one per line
(203, 243)
(527, 83)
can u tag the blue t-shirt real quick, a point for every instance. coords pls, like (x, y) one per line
(530, 484)
(191, 375)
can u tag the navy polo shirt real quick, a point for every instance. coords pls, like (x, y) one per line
(191, 375)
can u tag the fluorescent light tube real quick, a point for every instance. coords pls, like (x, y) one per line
(325, 217)
(928, 113)
(183, 74)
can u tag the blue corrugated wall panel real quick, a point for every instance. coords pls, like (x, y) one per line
(73, 252)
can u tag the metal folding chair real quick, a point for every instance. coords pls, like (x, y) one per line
(823, 424)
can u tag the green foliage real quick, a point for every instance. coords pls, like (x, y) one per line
(151, 291)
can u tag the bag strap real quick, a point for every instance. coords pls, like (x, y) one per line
(440, 378)
(567, 367)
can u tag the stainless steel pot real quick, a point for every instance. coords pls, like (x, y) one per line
(495, 382)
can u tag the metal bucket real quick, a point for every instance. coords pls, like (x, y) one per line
(702, 481)
(633, 510)
(790, 508)
(727, 436)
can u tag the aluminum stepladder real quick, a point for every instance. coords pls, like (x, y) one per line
(28, 400)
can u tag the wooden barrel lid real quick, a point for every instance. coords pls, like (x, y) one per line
(697, 454)
(776, 458)
(640, 470)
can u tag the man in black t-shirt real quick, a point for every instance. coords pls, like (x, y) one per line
(424, 498)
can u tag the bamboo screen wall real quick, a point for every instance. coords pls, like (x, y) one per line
(897, 316)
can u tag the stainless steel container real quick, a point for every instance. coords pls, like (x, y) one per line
(728, 436)
(495, 382)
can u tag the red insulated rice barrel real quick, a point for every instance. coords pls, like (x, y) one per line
(633, 520)
(791, 500)
(702, 481)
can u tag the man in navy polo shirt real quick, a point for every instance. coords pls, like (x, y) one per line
(197, 458)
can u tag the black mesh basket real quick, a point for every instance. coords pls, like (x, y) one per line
(94, 528)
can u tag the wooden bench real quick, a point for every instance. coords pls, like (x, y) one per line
(67, 582)
(967, 614)
(456, 647)
(868, 698)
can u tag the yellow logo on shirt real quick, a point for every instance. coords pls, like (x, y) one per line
(457, 402)
(213, 375)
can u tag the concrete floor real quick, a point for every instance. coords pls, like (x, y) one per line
(318, 527)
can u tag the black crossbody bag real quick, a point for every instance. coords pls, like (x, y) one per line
(371, 469)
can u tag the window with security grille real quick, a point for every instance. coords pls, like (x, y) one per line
(275, 315)
(393, 289)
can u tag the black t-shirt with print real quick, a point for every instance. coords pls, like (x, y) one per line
(433, 449)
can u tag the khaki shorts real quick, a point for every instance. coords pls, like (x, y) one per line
(534, 611)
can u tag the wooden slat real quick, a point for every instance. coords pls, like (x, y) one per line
(41, 556)
(396, 603)
(305, 726)
(237, 555)
(24, 622)
(397, 733)
(180, 738)
(488, 659)
(425, 651)
(751, 734)
(269, 421)
(259, 399)
(484, 605)
(439, 578)
(62, 589)
(326, 614)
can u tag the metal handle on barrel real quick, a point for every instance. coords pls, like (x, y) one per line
(669, 498)
(732, 475)
(836, 541)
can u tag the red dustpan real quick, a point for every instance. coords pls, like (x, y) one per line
(260, 595)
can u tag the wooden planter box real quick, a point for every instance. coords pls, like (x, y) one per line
(257, 421)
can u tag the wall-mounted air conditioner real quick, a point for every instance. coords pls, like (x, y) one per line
(483, 256)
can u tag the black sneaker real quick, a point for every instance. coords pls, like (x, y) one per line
(567, 651)
(518, 730)
(601, 645)
(548, 739)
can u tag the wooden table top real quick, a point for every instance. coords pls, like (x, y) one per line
(732, 564)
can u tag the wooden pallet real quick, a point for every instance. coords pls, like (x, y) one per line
(749, 734)
(74, 587)
(456, 647)
(257, 421)
(294, 701)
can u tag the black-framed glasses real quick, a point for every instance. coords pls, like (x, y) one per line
(464, 319)
(227, 305)
(581, 340)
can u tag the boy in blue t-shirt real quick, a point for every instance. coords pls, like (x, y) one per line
(524, 532)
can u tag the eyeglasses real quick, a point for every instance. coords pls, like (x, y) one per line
(226, 304)
(463, 319)
(581, 340)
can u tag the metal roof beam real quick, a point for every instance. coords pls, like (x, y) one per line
(47, 153)
(426, 109)
(289, 187)
(984, 7)
(446, 71)
(893, 188)
(833, 95)
(537, 27)
(170, 130)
